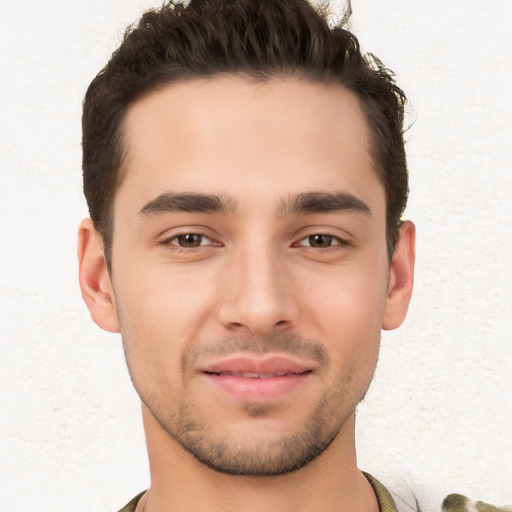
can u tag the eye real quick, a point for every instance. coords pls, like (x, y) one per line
(189, 240)
(321, 241)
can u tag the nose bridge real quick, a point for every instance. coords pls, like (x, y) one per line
(257, 296)
(259, 277)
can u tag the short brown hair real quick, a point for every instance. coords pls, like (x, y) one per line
(260, 39)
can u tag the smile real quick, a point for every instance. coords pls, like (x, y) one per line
(255, 375)
(256, 379)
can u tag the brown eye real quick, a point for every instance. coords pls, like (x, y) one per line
(190, 240)
(320, 241)
(323, 241)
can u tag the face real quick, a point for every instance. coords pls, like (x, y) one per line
(249, 268)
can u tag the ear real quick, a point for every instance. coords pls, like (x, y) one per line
(95, 283)
(401, 277)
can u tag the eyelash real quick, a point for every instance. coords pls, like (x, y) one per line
(168, 242)
(336, 241)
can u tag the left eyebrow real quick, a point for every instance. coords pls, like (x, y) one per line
(322, 202)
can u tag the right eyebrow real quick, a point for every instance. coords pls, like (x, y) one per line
(188, 202)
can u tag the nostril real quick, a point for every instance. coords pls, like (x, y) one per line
(234, 326)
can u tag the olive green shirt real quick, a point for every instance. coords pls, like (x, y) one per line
(386, 503)
(452, 503)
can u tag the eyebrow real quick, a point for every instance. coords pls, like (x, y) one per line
(309, 202)
(188, 202)
(323, 202)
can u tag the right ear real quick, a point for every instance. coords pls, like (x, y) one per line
(95, 283)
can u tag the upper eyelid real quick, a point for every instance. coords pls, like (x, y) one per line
(325, 233)
(329, 228)
(170, 233)
(339, 239)
(169, 238)
(338, 233)
(303, 233)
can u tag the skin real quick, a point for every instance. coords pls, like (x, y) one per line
(265, 275)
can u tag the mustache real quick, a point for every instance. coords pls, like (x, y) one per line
(290, 344)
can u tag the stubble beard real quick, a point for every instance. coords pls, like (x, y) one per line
(256, 457)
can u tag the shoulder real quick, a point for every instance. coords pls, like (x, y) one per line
(132, 505)
(402, 499)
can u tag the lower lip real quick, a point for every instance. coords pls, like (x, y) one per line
(257, 390)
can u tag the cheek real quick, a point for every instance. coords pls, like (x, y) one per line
(347, 309)
(355, 306)
(151, 332)
(162, 300)
(163, 313)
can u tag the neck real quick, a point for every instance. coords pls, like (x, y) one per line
(179, 483)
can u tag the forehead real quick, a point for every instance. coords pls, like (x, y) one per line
(232, 136)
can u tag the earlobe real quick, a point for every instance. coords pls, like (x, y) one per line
(95, 282)
(401, 277)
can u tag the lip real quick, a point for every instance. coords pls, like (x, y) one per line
(270, 364)
(256, 379)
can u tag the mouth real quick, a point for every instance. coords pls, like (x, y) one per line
(254, 367)
(256, 379)
(256, 375)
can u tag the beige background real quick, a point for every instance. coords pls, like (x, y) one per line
(439, 414)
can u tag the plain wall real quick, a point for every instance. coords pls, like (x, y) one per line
(439, 412)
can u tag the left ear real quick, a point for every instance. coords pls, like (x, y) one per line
(401, 277)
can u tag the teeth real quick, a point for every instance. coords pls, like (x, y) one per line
(248, 375)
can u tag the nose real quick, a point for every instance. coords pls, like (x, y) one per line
(258, 297)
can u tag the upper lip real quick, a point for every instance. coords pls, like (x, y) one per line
(274, 365)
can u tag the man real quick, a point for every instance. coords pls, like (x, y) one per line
(245, 172)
